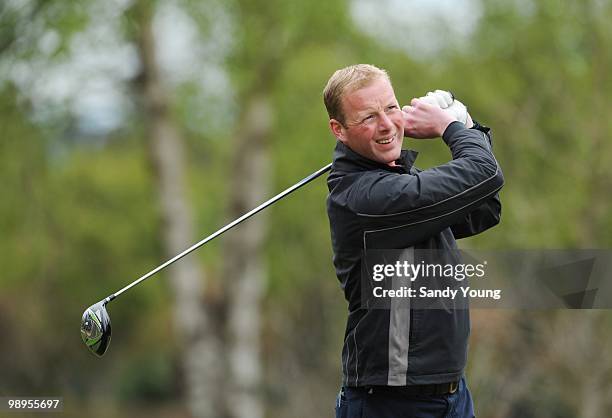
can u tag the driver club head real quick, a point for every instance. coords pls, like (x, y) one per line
(96, 328)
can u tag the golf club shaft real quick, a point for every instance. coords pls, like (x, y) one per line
(227, 227)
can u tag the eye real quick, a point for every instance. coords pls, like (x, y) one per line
(368, 118)
(392, 108)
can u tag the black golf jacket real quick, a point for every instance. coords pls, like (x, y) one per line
(376, 206)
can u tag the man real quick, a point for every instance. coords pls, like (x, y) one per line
(402, 363)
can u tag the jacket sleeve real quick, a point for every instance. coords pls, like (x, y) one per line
(424, 203)
(485, 216)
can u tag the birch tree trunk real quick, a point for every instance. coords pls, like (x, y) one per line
(198, 340)
(244, 270)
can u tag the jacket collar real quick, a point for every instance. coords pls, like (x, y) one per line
(348, 161)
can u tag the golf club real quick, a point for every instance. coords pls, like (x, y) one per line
(96, 324)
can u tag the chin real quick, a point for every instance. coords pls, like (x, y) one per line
(388, 159)
(395, 156)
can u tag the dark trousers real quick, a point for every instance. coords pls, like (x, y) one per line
(359, 403)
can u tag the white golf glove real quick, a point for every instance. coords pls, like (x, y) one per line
(440, 98)
(445, 101)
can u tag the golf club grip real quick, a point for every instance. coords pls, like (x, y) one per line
(227, 227)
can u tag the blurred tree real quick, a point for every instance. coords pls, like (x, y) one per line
(200, 344)
(267, 34)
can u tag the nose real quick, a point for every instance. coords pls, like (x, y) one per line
(386, 123)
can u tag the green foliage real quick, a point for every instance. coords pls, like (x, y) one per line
(73, 230)
(148, 379)
(25, 23)
(535, 76)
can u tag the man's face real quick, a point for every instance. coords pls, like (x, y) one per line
(373, 126)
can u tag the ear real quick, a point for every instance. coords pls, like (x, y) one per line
(337, 129)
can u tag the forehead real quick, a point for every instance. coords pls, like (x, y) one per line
(374, 95)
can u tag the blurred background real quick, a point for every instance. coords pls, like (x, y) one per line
(130, 129)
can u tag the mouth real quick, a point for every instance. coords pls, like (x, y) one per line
(385, 141)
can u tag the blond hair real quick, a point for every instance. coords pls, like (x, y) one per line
(345, 81)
